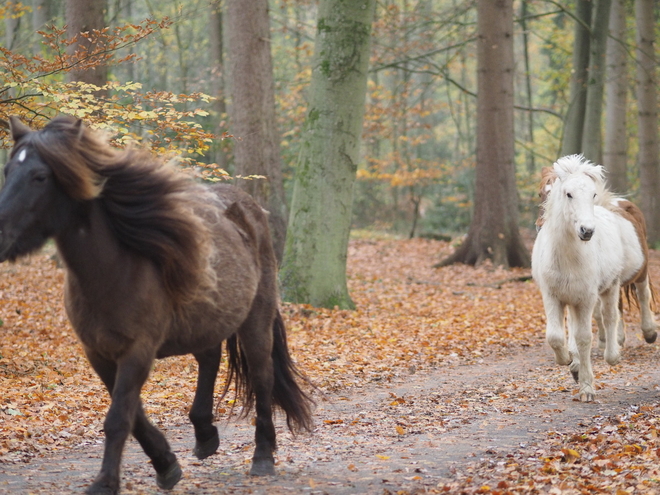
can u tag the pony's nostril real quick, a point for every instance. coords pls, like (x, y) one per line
(586, 233)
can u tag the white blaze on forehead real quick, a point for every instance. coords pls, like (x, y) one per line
(21, 155)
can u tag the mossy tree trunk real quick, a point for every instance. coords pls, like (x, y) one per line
(314, 267)
(494, 233)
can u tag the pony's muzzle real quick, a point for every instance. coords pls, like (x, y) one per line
(586, 233)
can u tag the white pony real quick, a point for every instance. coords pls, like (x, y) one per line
(582, 254)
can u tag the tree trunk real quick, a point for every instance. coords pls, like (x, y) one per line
(252, 113)
(531, 165)
(493, 233)
(41, 15)
(85, 16)
(615, 147)
(647, 101)
(592, 133)
(12, 23)
(314, 268)
(574, 123)
(217, 80)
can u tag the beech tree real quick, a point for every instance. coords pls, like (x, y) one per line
(83, 18)
(647, 118)
(314, 267)
(493, 232)
(615, 145)
(252, 113)
(592, 133)
(574, 120)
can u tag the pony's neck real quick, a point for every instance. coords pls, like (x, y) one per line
(88, 247)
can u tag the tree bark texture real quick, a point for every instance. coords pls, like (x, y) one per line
(314, 268)
(592, 133)
(494, 233)
(647, 101)
(85, 16)
(252, 111)
(216, 48)
(615, 146)
(574, 123)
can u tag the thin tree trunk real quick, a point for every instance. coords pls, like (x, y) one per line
(252, 113)
(574, 123)
(493, 232)
(41, 15)
(12, 23)
(647, 101)
(531, 166)
(592, 135)
(314, 267)
(217, 79)
(615, 146)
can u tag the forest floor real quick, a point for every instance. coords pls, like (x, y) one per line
(439, 382)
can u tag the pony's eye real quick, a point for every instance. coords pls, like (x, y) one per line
(595, 195)
(569, 195)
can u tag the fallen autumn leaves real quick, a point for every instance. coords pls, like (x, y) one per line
(411, 321)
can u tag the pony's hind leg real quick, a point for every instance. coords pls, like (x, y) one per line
(124, 382)
(201, 412)
(609, 303)
(256, 344)
(649, 327)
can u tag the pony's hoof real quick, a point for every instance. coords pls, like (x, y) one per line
(587, 397)
(208, 447)
(262, 467)
(169, 478)
(651, 338)
(612, 359)
(101, 489)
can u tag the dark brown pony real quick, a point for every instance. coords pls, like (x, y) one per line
(157, 265)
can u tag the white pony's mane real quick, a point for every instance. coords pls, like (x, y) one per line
(578, 164)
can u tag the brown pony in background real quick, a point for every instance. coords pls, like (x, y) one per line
(156, 266)
(639, 288)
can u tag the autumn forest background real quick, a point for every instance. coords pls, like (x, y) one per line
(239, 90)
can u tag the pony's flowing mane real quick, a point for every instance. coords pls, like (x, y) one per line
(150, 207)
(570, 165)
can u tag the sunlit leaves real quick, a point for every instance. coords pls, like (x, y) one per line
(33, 89)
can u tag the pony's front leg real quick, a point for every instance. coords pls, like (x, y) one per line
(649, 327)
(609, 303)
(132, 371)
(555, 334)
(580, 328)
(201, 412)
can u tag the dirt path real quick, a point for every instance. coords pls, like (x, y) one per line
(413, 433)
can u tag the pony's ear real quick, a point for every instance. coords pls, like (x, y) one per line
(79, 127)
(596, 172)
(18, 128)
(548, 177)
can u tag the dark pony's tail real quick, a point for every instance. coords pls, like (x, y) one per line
(287, 394)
